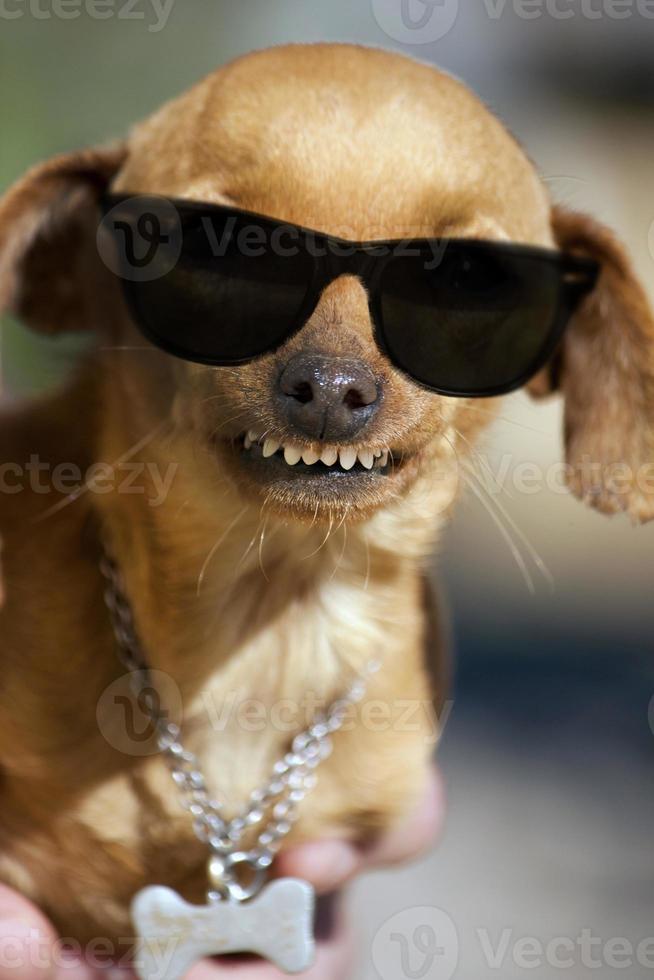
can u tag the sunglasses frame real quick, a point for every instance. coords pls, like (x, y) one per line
(368, 261)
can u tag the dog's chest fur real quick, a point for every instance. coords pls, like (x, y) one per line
(254, 645)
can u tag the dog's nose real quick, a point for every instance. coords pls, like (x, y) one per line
(328, 398)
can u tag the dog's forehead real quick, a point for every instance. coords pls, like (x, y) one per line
(354, 141)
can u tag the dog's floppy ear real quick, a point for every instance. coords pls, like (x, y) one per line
(49, 263)
(605, 370)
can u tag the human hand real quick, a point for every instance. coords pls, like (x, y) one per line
(29, 949)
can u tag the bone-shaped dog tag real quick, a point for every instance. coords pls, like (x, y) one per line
(173, 935)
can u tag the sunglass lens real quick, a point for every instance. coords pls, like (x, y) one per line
(231, 294)
(474, 321)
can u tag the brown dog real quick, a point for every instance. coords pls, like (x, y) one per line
(237, 583)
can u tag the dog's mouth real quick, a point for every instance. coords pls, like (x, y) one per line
(318, 480)
(292, 460)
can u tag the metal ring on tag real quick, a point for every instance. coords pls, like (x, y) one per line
(223, 875)
(216, 874)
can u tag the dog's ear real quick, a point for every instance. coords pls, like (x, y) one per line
(605, 370)
(49, 263)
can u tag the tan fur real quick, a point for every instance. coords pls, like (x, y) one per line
(605, 369)
(240, 592)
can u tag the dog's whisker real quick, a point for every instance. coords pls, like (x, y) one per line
(215, 548)
(346, 513)
(261, 540)
(391, 458)
(234, 418)
(73, 497)
(573, 177)
(531, 549)
(324, 540)
(469, 477)
(315, 514)
(535, 556)
(503, 418)
(182, 507)
(249, 548)
(483, 462)
(342, 551)
(262, 509)
(222, 398)
(513, 548)
(264, 435)
(366, 581)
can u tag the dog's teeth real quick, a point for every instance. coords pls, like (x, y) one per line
(378, 453)
(270, 447)
(348, 457)
(292, 455)
(247, 442)
(384, 458)
(329, 456)
(366, 458)
(253, 436)
(309, 457)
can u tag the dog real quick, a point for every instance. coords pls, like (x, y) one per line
(246, 585)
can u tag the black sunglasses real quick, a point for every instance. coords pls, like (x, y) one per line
(223, 286)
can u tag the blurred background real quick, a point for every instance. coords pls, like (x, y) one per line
(548, 751)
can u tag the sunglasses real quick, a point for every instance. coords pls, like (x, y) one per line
(222, 286)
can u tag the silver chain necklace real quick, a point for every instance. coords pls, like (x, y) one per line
(241, 916)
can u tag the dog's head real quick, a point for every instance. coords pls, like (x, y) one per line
(359, 144)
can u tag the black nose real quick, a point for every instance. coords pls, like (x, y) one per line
(328, 398)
